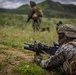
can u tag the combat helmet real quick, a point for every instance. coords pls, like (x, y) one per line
(32, 3)
(68, 30)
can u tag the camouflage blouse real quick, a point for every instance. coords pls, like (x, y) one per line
(60, 58)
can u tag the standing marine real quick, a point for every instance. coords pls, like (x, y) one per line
(65, 57)
(35, 14)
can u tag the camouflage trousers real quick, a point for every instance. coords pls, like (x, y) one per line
(36, 24)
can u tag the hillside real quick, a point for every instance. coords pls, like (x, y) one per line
(55, 9)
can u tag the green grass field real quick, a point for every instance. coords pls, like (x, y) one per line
(14, 32)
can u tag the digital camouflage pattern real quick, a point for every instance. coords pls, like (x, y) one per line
(61, 59)
(38, 12)
(32, 3)
(35, 14)
(65, 57)
(69, 30)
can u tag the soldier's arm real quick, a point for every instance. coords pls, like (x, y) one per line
(63, 53)
(30, 15)
(52, 62)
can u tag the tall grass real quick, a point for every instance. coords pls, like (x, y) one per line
(29, 69)
(14, 32)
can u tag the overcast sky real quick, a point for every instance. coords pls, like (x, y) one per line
(11, 4)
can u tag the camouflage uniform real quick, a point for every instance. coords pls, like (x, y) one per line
(63, 56)
(33, 15)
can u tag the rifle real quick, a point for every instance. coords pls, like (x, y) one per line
(41, 48)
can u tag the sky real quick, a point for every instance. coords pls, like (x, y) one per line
(13, 4)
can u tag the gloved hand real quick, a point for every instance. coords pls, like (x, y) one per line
(37, 57)
(39, 61)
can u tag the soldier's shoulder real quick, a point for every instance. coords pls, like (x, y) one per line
(63, 48)
(67, 46)
(66, 49)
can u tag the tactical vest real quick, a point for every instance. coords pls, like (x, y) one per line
(38, 12)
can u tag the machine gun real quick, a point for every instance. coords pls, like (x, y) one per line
(42, 48)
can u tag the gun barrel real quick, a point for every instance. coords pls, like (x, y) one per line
(41, 47)
(32, 49)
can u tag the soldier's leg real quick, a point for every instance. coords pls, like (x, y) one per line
(40, 20)
(36, 24)
(33, 26)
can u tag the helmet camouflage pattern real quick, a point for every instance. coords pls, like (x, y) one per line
(68, 30)
(32, 3)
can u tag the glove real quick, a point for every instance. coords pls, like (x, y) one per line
(37, 57)
(39, 61)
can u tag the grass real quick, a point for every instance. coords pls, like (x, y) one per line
(14, 32)
(29, 69)
(15, 35)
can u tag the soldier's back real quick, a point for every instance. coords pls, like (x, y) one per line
(69, 66)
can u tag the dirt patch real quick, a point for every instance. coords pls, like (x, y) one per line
(2, 56)
(15, 58)
(3, 47)
(16, 53)
(6, 70)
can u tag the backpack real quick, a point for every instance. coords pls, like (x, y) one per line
(39, 12)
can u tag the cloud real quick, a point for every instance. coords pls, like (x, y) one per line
(66, 1)
(11, 4)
